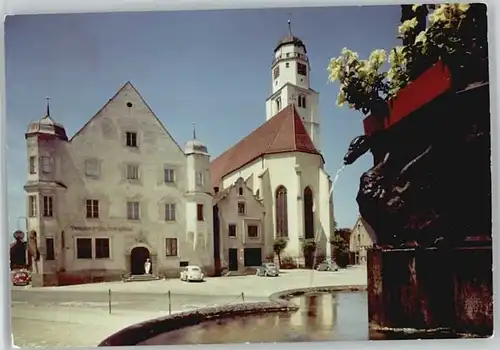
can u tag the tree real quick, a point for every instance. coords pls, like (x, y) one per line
(279, 246)
(308, 248)
(340, 246)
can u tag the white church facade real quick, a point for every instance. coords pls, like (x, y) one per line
(122, 191)
(281, 163)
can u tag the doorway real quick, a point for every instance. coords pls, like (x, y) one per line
(138, 257)
(253, 257)
(233, 259)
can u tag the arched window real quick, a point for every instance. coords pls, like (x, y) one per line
(281, 212)
(302, 101)
(308, 213)
(278, 104)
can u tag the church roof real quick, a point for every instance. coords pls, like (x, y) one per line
(284, 132)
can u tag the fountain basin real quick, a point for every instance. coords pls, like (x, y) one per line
(297, 315)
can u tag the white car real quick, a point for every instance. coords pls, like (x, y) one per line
(192, 273)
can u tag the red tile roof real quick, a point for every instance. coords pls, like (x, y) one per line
(284, 132)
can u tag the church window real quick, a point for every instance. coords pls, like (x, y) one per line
(278, 104)
(102, 250)
(49, 249)
(276, 72)
(170, 212)
(132, 172)
(48, 209)
(241, 208)
(32, 165)
(302, 101)
(92, 208)
(32, 206)
(46, 164)
(171, 246)
(131, 139)
(301, 69)
(133, 210)
(231, 230)
(281, 212)
(308, 213)
(84, 248)
(92, 168)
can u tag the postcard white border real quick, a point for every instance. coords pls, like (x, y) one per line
(15, 7)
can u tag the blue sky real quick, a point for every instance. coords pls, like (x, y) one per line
(207, 67)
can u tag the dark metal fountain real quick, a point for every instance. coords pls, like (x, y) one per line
(428, 200)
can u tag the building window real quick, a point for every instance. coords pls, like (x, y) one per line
(84, 248)
(308, 213)
(199, 178)
(32, 206)
(240, 191)
(241, 208)
(46, 165)
(169, 175)
(92, 168)
(48, 206)
(301, 69)
(278, 104)
(32, 165)
(171, 247)
(133, 210)
(253, 231)
(302, 101)
(281, 212)
(132, 172)
(276, 72)
(199, 212)
(131, 139)
(287, 65)
(231, 230)
(49, 246)
(170, 212)
(102, 250)
(92, 206)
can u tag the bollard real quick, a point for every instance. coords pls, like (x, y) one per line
(169, 303)
(109, 301)
(242, 296)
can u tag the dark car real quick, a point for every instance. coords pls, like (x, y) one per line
(20, 277)
(327, 265)
(267, 269)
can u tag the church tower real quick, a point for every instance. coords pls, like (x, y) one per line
(291, 84)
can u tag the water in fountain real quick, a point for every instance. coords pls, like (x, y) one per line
(316, 236)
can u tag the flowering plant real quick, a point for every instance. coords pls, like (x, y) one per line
(455, 34)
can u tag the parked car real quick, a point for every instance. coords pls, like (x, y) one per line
(327, 265)
(20, 277)
(268, 269)
(192, 273)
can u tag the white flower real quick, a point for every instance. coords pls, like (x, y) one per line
(377, 58)
(407, 25)
(421, 37)
(415, 7)
(340, 99)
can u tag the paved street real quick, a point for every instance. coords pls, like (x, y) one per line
(79, 316)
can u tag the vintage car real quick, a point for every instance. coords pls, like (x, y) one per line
(20, 277)
(268, 269)
(192, 273)
(327, 265)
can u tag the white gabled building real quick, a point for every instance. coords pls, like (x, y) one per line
(121, 190)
